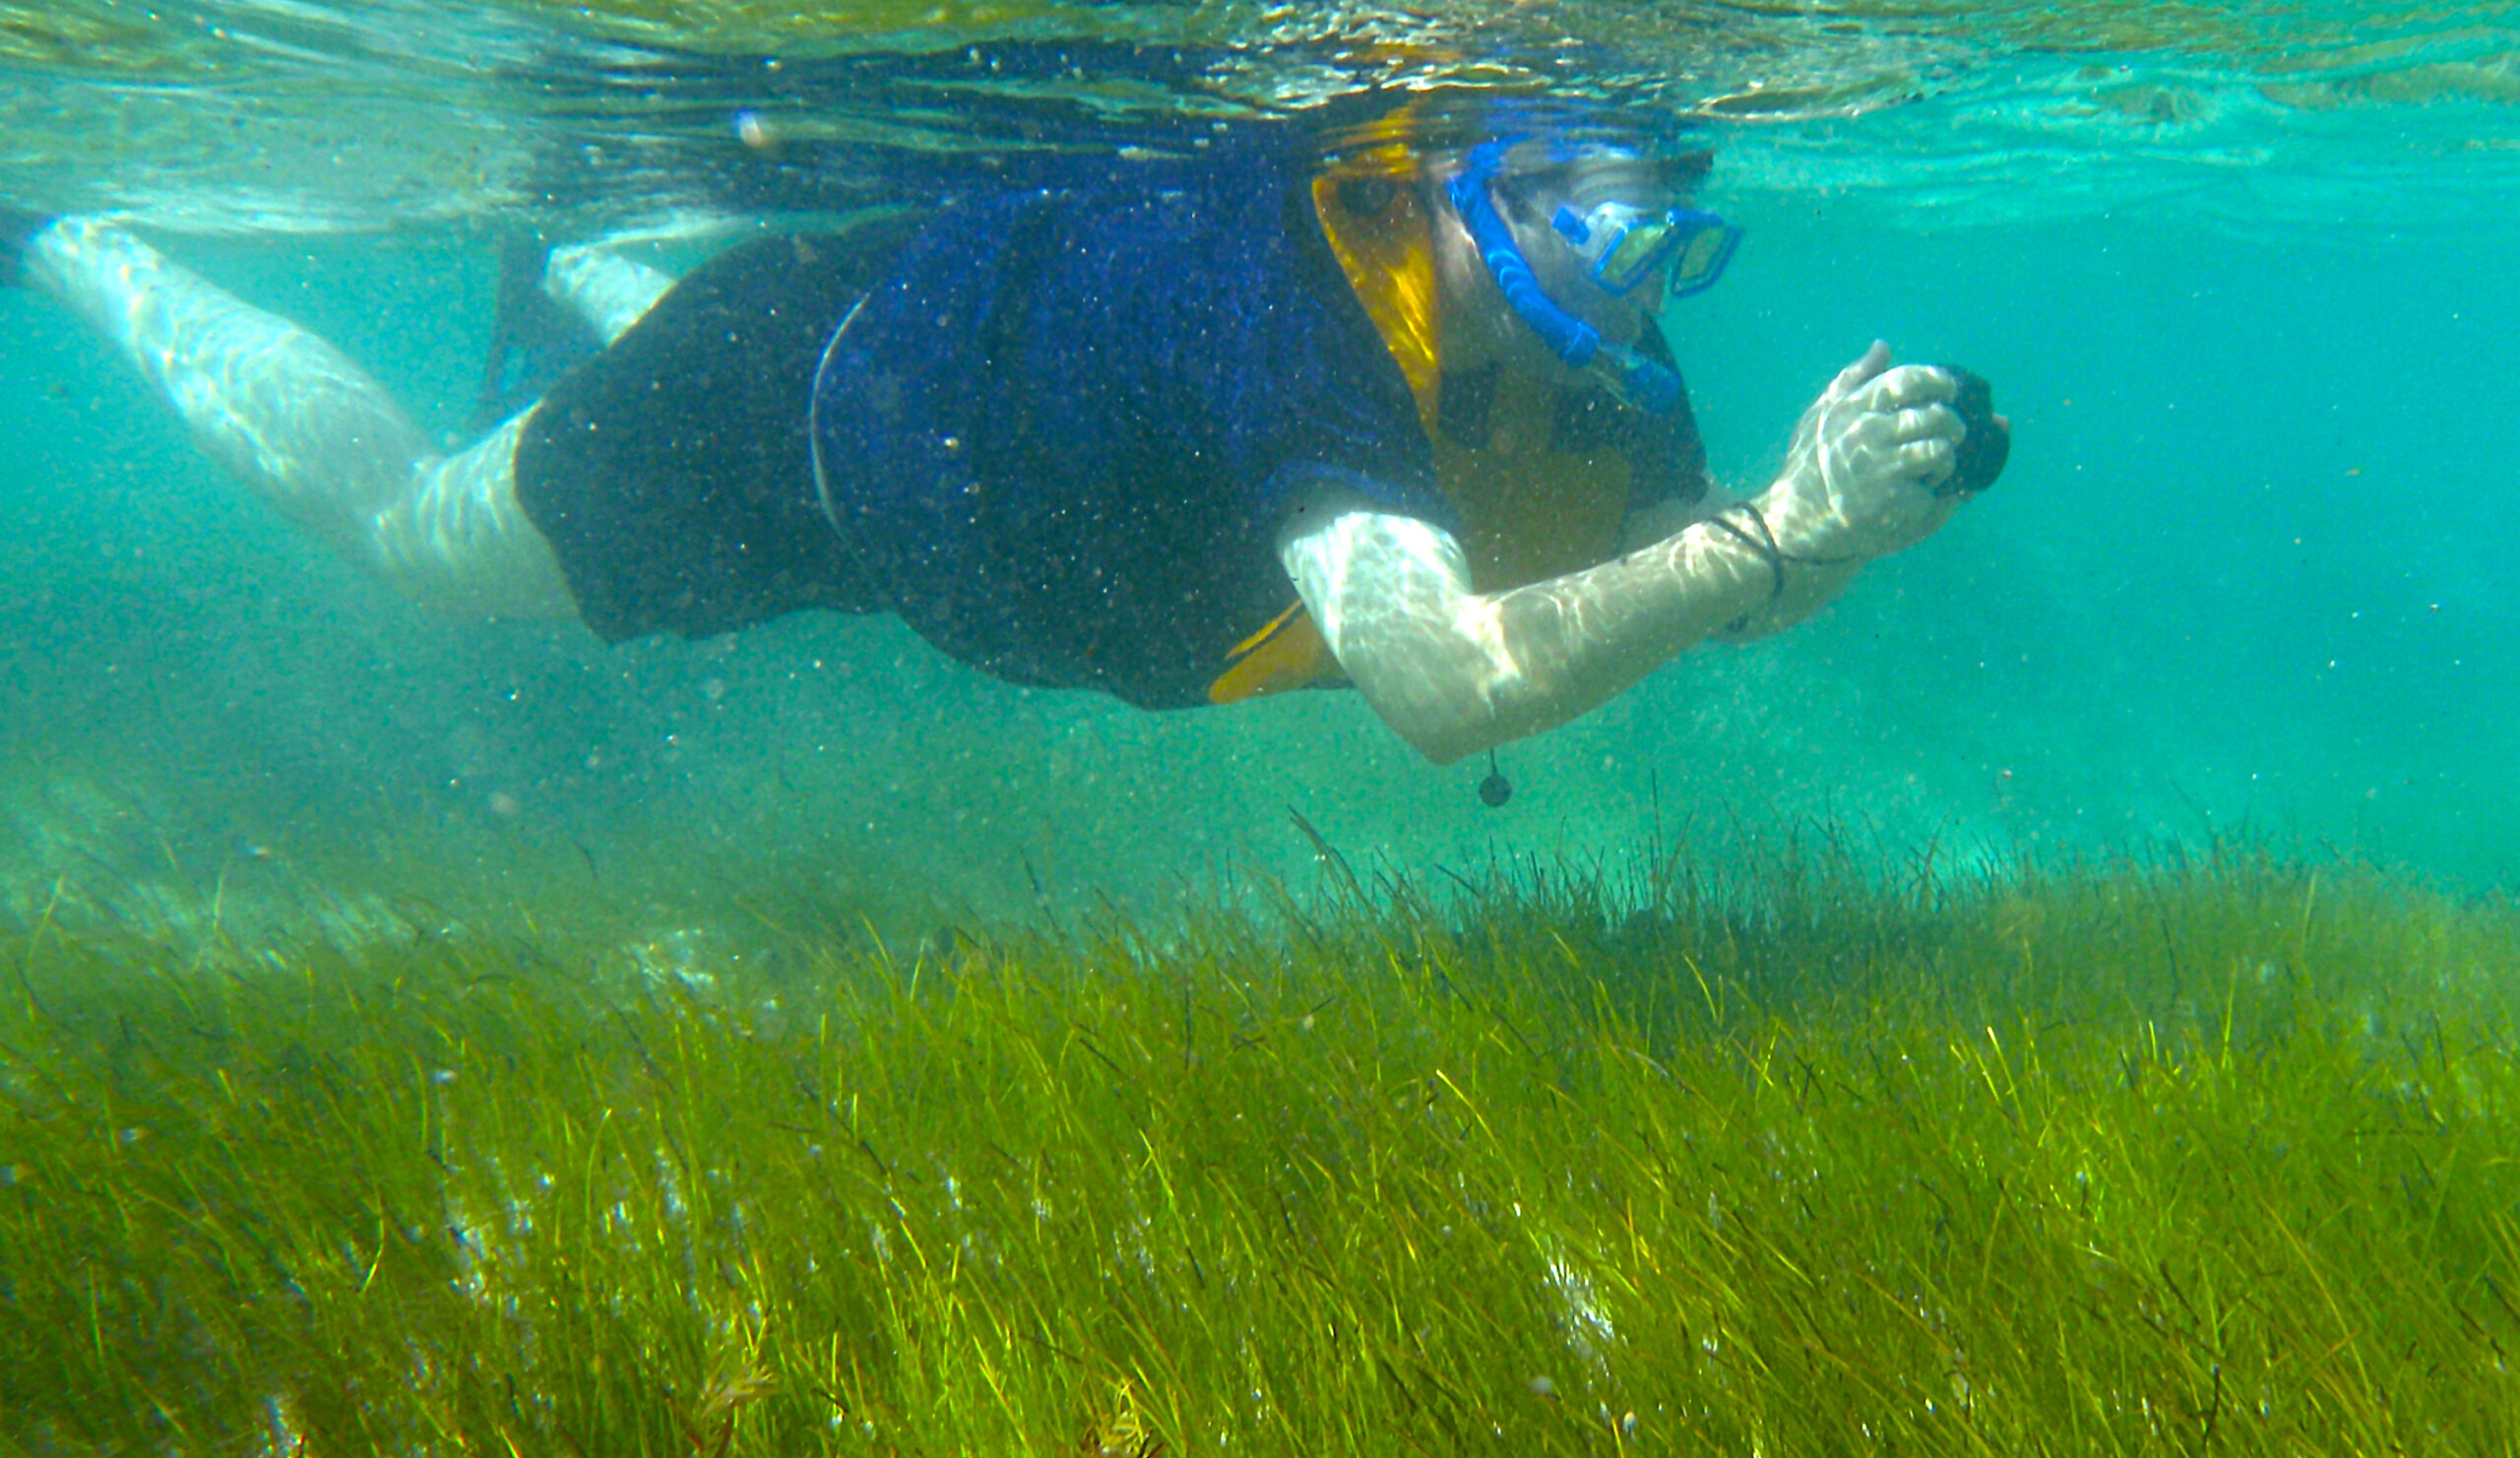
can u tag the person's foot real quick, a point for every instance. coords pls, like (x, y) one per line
(18, 227)
(534, 340)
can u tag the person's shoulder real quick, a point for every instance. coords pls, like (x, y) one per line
(1231, 194)
(1190, 239)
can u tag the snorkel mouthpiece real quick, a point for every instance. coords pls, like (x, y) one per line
(1644, 383)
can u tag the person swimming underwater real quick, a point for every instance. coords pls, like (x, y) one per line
(1242, 424)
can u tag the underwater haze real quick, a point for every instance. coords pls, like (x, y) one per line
(2242, 280)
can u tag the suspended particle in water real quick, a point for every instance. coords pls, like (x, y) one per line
(755, 131)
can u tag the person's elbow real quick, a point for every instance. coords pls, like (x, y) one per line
(1443, 734)
(1449, 696)
(1442, 739)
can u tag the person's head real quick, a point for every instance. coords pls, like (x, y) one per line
(1601, 227)
(1586, 242)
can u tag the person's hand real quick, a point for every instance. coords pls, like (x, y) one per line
(1882, 459)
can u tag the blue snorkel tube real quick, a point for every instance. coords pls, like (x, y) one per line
(1646, 384)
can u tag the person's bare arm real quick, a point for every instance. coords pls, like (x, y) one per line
(1454, 672)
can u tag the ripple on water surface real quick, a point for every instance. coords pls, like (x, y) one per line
(247, 114)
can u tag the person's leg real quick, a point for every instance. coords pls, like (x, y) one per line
(303, 429)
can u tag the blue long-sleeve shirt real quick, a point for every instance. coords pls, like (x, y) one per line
(1062, 434)
(1057, 433)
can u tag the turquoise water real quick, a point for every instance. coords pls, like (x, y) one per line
(2246, 296)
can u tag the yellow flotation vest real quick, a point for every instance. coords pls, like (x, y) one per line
(1528, 509)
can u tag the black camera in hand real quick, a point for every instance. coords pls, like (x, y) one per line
(1980, 456)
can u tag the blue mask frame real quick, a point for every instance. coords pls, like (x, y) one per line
(1630, 245)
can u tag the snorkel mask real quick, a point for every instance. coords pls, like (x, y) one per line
(1627, 245)
(1622, 247)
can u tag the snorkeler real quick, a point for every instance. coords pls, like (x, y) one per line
(1248, 424)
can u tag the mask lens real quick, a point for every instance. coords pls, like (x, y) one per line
(1696, 245)
(1705, 248)
(1635, 255)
